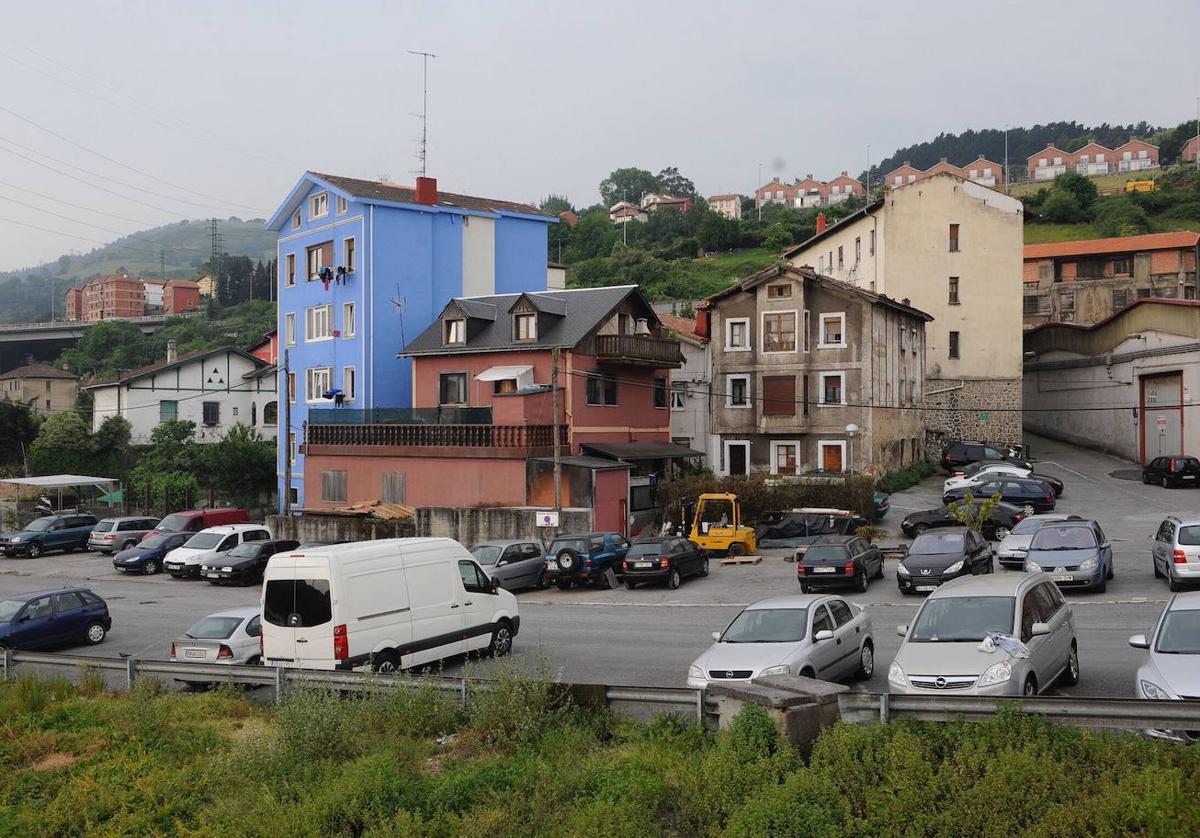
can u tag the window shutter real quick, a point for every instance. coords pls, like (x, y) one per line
(327, 254)
(393, 487)
(779, 395)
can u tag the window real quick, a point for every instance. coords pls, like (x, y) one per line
(348, 325)
(1121, 266)
(785, 458)
(1120, 299)
(601, 389)
(333, 486)
(903, 339)
(292, 451)
(737, 335)
(297, 220)
(954, 344)
(290, 275)
(318, 323)
(349, 382)
(1032, 305)
(660, 393)
(318, 381)
(318, 256)
(452, 388)
(525, 327)
(778, 292)
(393, 487)
(289, 328)
(624, 324)
(318, 205)
(821, 621)
(821, 264)
(473, 578)
(953, 238)
(953, 290)
(857, 250)
(833, 334)
(455, 332)
(348, 255)
(779, 331)
(841, 259)
(737, 456)
(168, 411)
(271, 413)
(341, 205)
(737, 391)
(805, 397)
(833, 389)
(807, 330)
(292, 387)
(211, 412)
(779, 395)
(1066, 301)
(679, 396)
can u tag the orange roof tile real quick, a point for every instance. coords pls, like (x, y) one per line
(1121, 244)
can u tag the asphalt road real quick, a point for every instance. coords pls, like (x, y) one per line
(650, 635)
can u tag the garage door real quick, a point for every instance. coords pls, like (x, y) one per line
(1161, 415)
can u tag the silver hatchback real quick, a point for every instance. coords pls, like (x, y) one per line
(112, 535)
(1175, 550)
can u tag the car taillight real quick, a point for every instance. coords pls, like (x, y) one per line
(1180, 557)
(1020, 516)
(172, 650)
(664, 562)
(1172, 466)
(849, 568)
(1050, 498)
(800, 571)
(624, 566)
(341, 643)
(224, 653)
(111, 537)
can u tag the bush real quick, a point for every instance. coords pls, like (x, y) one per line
(898, 481)
(759, 495)
(1119, 216)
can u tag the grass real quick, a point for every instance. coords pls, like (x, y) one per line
(1038, 233)
(522, 762)
(1106, 184)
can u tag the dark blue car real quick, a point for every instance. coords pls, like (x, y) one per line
(147, 556)
(575, 559)
(50, 618)
(1031, 494)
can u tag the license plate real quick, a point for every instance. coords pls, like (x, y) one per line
(1063, 578)
(213, 575)
(643, 565)
(924, 588)
(1189, 477)
(194, 653)
(824, 570)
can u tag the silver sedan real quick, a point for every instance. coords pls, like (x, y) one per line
(227, 637)
(1171, 669)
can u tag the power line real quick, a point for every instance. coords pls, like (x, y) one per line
(74, 206)
(72, 235)
(60, 215)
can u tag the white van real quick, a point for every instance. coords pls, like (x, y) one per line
(385, 604)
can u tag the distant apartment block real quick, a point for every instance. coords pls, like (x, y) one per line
(809, 192)
(653, 201)
(1189, 149)
(1087, 281)
(1093, 159)
(113, 296)
(181, 296)
(982, 171)
(74, 307)
(729, 206)
(154, 295)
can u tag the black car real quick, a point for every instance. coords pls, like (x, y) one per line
(937, 557)
(1172, 471)
(959, 454)
(834, 560)
(666, 559)
(1030, 494)
(244, 564)
(1004, 517)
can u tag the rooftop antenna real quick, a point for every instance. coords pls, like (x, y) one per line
(424, 114)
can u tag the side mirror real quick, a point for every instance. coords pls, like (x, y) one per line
(716, 635)
(1139, 641)
(1040, 629)
(902, 631)
(495, 587)
(24, 618)
(823, 634)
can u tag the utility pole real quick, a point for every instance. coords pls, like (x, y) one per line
(287, 433)
(162, 264)
(424, 115)
(554, 356)
(868, 171)
(758, 200)
(1006, 188)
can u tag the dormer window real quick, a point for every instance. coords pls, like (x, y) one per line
(456, 332)
(297, 220)
(341, 205)
(525, 327)
(318, 205)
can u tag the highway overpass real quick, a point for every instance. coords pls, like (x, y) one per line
(44, 341)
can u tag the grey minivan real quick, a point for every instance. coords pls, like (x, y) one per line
(112, 535)
(512, 564)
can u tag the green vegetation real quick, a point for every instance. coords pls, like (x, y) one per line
(759, 495)
(521, 762)
(972, 512)
(898, 481)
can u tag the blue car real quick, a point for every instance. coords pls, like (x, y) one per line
(584, 557)
(1076, 554)
(65, 532)
(147, 556)
(50, 618)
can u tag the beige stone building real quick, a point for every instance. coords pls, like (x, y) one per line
(951, 248)
(797, 359)
(45, 388)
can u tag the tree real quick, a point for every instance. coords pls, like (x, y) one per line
(62, 446)
(593, 236)
(241, 465)
(777, 237)
(165, 476)
(627, 185)
(1062, 207)
(110, 446)
(105, 348)
(673, 183)
(18, 429)
(1120, 216)
(556, 204)
(716, 232)
(972, 513)
(1082, 187)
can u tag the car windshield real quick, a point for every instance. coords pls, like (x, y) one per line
(214, 628)
(153, 541)
(245, 550)
(767, 625)
(1179, 635)
(40, 525)
(9, 609)
(1189, 536)
(932, 543)
(1063, 538)
(486, 554)
(105, 526)
(204, 541)
(1029, 526)
(579, 545)
(836, 552)
(174, 523)
(962, 619)
(645, 548)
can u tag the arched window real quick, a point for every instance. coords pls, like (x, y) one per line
(271, 413)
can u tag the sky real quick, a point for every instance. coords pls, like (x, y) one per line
(118, 116)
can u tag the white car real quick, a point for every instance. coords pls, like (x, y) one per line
(814, 635)
(986, 473)
(209, 545)
(225, 637)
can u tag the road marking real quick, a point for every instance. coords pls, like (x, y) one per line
(913, 603)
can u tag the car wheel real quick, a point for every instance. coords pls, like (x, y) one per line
(919, 528)
(542, 582)
(384, 663)
(1000, 533)
(860, 581)
(34, 551)
(1166, 484)
(1030, 687)
(879, 573)
(1070, 676)
(254, 660)
(737, 550)
(630, 584)
(675, 579)
(501, 643)
(150, 568)
(96, 632)
(568, 561)
(128, 544)
(1028, 509)
(704, 566)
(866, 662)
(563, 584)
(805, 588)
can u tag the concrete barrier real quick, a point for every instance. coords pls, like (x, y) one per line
(801, 707)
(329, 528)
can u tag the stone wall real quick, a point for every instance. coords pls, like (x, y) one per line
(984, 409)
(472, 525)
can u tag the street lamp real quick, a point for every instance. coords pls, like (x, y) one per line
(851, 431)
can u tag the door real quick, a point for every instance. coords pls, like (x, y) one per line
(831, 458)
(301, 614)
(1041, 656)
(436, 596)
(69, 615)
(847, 637)
(58, 536)
(737, 458)
(35, 626)
(479, 606)
(1161, 416)
(1050, 605)
(532, 562)
(507, 570)
(1162, 548)
(825, 654)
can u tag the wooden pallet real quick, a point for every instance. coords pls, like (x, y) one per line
(741, 560)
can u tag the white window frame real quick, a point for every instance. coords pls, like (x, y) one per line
(446, 331)
(342, 205)
(313, 200)
(677, 388)
(821, 391)
(312, 395)
(729, 322)
(310, 332)
(292, 385)
(297, 220)
(289, 328)
(775, 443)
(350, 376)
(289, 270)
(822, 444)
(726, 444)
(824, 344)
(762, 330)
(520, 317)
(349, 254)
(729, 379)
(349, 315)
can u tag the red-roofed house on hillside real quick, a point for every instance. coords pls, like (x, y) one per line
(74, 303)
(45, 388)
(774, 192)
(181, 296)
(113, 295)
(842, 188)
(1136, 155)
(981, 171)
(1049, 163)
(903, 174)
(1190, 148)
(1086, 281)
(729, 205)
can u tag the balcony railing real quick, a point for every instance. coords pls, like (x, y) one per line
(639, 349)
(435, 436)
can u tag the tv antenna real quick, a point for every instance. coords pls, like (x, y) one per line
(424, 114)
(398, 304)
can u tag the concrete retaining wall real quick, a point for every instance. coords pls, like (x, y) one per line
(472, 525)
(327, 528)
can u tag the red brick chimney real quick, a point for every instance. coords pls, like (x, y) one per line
(427, 191)
(702, 327)
(821, 222)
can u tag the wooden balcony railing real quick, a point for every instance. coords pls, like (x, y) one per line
(639, 349)
(435, 436)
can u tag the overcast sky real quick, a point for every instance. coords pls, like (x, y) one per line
(227, 103)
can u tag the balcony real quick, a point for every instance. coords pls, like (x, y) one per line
(642, 350)
(495, 441)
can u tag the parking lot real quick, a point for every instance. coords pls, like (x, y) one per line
(650, 635)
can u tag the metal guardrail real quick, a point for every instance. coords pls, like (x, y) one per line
(1117, 713)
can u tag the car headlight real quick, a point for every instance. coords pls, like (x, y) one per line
(1153, 690)
(997, 673)
(695, 671)
(1031, 566)
(954, 568)
(902, 570)
(1088, 564)
(781, 669)
(226, 569)
(896, 675)
(16, 539)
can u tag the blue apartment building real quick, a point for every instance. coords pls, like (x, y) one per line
(366, 266)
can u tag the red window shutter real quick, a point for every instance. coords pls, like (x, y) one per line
(779, 395)
(327, 254)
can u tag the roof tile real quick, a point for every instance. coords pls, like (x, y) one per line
(1120, 244)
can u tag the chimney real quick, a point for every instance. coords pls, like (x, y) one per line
(944, 160)
(28, 360)
(821, 222)
(427, 193)
(702, 321)
(808, 176)
(172, 355)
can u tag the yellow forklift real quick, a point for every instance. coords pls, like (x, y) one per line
(717, 526)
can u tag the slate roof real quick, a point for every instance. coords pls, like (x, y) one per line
(142, 372)
(374, 190)
(584, 309)
(38, 371)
